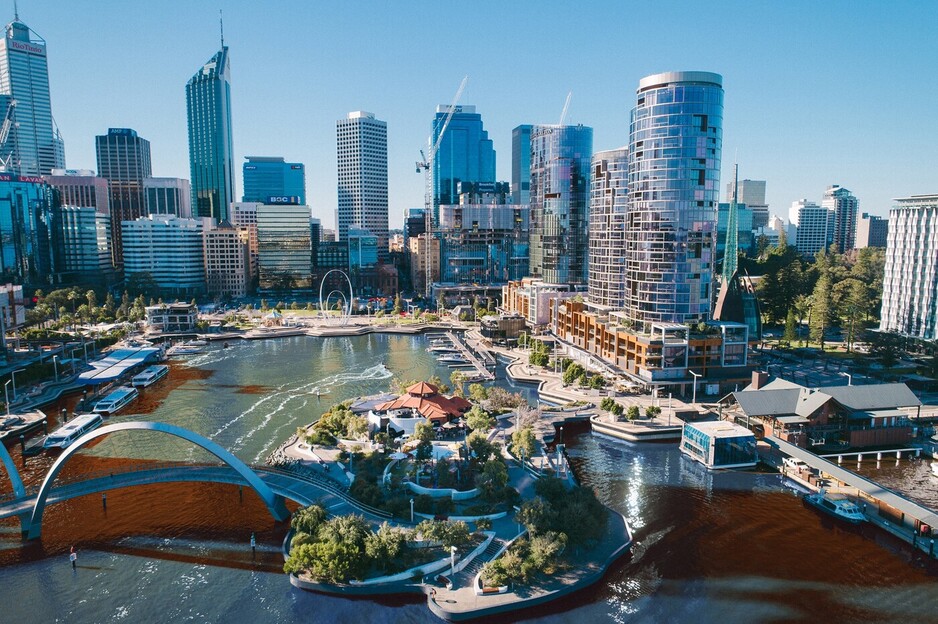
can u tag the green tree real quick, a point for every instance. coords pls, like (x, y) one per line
(385, 546)
(457, 378)
(425, 434)
(480, 449)
(478, 392)
(652, 410)
(821, 309)
(572, 373)
(492, 479)
(436, 380)
(478, 419)
(632, 413)
(607, 404)
(398, 305)
(523, 442)
(309, 519)
(791, 327)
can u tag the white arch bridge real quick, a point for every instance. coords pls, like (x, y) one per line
(272, 485)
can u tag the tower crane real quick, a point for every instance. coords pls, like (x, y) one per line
(566, 107)
(425, 164)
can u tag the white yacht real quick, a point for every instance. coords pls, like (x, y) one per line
(836, 505)
(69, 432)
(149, 375)
(185, 348)
(116, 401)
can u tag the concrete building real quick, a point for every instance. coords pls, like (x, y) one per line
(284, 247)
(844, 205)
(83, 252)
(81, 187)
(872, 231)
(12, 314)
(362, 147)
(752, 194)
(27, 208)
(211, 161)
(560, 196)
(169, 250)
(124, 161)
(521, 164)
(814, 226)
(269, 176)
(34, 146)
(419, 259)
(229, 265)
(172, 196)
(608, 213)
(172, 317)
(530, 298)
(910, 282)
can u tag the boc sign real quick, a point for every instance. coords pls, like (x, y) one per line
(273, 200)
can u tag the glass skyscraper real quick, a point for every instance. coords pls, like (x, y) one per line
(34, 146)
(675, 145)
(124, 161)
(362, 154)
(27, 207)
(560, 189)
(211, 165)
(270, 176)
(608, 211)
(521, 164)
(466, 155)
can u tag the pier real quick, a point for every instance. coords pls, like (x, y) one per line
(880, 455)
(482, 370)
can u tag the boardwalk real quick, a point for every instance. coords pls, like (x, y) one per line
(481, 370)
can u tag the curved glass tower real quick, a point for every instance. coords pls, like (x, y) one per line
(560, 186)
(675, 144)
(608, 212)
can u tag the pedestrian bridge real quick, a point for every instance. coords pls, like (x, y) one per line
(272, 486)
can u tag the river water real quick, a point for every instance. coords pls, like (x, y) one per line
(721, 547)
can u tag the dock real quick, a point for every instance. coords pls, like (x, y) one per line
(13, 426)
(482, 371)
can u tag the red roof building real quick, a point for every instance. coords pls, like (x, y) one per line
(428, 402)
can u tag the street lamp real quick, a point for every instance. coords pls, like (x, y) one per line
(6, 395)
(694, 401)
(55, 363)
(849, 378)
(411, 511)
(452, 561)
(13, 379)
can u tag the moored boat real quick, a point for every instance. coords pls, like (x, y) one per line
(836, 505)
(65, 435)
(934, 468)
(185, 348)
(149, 375)
(116, 401)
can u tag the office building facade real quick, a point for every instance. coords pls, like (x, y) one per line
(171, 196)
(82, 236)
(169, 250)
(466, 154)
(844, 205)
(27, 207)
(752, 194)
(81, 187)
(362, 149)
(124, 161)
(229, 269)
(608, 213)
(269, 176)
(560, 191)
(284, 247)
(814, 226)
(872, 231)
(910, 282)
(521, 164)
(34, 146)
(211, 161)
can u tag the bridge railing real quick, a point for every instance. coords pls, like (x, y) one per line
(329, 486)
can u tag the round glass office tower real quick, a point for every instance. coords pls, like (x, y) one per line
(608, 215)
(675, 145)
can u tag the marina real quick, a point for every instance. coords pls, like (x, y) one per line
(12, 426)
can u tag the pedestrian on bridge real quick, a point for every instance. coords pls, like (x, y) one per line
(253, 544)
(73, 557)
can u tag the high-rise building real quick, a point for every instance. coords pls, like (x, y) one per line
(752, 194)
(82, 236)
(211, 162)
(420, 257)
(560, 195)
(484, 238)
(872, 231)
(814, 226)
(608, 212)
(124, 161)
(269, 176)
(910, 282)
(34, 146)
(362, 249)
(81, 187)
(675, 150)
(27, 208)
(844, 206)
(229, 269)
(168, 196)
(244, 214)
(415, 223)
(362, 148)
(284, 248)
(466, 154)
(521, 164)
(169, 250)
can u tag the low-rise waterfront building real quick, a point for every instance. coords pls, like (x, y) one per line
(719, 444)
(530, 298)
(502, 329)
(421, 403)
(172, 317)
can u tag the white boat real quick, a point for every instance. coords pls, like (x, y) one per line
(443, 349)
(185, 348)
(934, 468)
(198, 342)
(452, 359)
(116, 400)
(836, 505)
(149, 375)
(69, 432)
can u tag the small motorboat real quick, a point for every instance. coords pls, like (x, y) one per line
(934, 468)
(836, 505)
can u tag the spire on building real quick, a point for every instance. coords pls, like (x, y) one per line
(731, 253)
(221, 27)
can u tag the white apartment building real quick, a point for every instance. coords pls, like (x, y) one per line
(814, 226)
(362, 147)
(169, 249)
(910, 282)
(229, 266)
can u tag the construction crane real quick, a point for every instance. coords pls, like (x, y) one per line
(566, 106)
(425, 165)
(8, 122)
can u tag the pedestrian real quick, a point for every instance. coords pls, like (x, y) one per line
(253, 544)
(73, 557)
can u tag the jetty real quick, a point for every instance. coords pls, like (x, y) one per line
(481, 368)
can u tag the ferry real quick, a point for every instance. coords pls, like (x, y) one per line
(116, 401)
(65, 435)
(149, 375)
(836, 505)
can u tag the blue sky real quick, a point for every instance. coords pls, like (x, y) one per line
(816, 93)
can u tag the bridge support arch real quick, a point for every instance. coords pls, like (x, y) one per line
(19, 490)
(274, 502)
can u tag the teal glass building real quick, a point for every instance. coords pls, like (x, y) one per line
(27, 209)
(466, 155)
(211, 165)
(269, 176)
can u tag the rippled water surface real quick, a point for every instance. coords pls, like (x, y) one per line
(710, 547)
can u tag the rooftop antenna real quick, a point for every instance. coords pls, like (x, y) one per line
(221, 26)
(16, 12)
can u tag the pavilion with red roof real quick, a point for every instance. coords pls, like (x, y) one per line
(426, 400)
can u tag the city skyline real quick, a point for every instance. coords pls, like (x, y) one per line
(283, 105)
